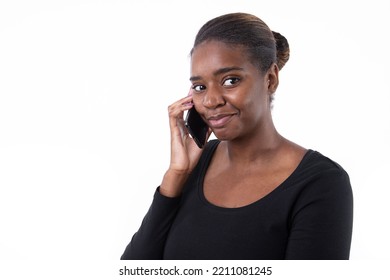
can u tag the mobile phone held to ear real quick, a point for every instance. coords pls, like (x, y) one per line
(196, 127)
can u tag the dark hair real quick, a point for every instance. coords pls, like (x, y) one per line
(263, 45)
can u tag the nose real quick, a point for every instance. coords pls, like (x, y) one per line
(213, 98)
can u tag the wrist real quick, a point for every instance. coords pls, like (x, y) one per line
(173, 183)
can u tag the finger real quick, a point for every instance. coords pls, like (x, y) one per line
(176, 110)
(176, 121)
(182, 100)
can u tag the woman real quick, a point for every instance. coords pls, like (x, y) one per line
(250, 193)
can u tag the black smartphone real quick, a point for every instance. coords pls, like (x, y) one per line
(196, 127)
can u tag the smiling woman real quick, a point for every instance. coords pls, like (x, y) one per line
(230, 90)
(251, 193)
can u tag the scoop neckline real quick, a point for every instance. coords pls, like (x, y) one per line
(279, 188)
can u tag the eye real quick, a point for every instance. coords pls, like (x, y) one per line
(231, 81)
(198, 88)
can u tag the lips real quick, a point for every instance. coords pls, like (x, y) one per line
(219, 121)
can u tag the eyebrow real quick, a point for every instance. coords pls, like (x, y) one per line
(219, 72)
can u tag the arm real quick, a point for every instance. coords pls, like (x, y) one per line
(321, 226)
(149, 241)
(185, 153)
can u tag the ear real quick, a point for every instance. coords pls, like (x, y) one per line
(272, 78)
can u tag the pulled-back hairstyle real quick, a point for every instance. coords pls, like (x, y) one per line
(263, 46)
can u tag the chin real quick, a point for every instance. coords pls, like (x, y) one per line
(224, 136)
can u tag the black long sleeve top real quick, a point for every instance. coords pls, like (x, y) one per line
(308, 216)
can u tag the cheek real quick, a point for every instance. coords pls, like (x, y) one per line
(254, 106)
(245, 101)
(197, 100)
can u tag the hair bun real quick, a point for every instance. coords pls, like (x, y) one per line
(282, 49)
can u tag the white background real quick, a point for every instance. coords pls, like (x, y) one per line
(84, 91)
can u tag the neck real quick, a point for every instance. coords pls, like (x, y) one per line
(259, 147)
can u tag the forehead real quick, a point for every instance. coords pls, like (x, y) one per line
(213, 55)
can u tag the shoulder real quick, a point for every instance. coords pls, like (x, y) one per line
(320, 175)
(322, 178)
(209, 150)
(199, 171)
(212, 144)
(316, 164)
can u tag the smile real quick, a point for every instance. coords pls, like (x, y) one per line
(219, 120)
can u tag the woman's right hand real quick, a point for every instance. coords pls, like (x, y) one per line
(184, 151)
